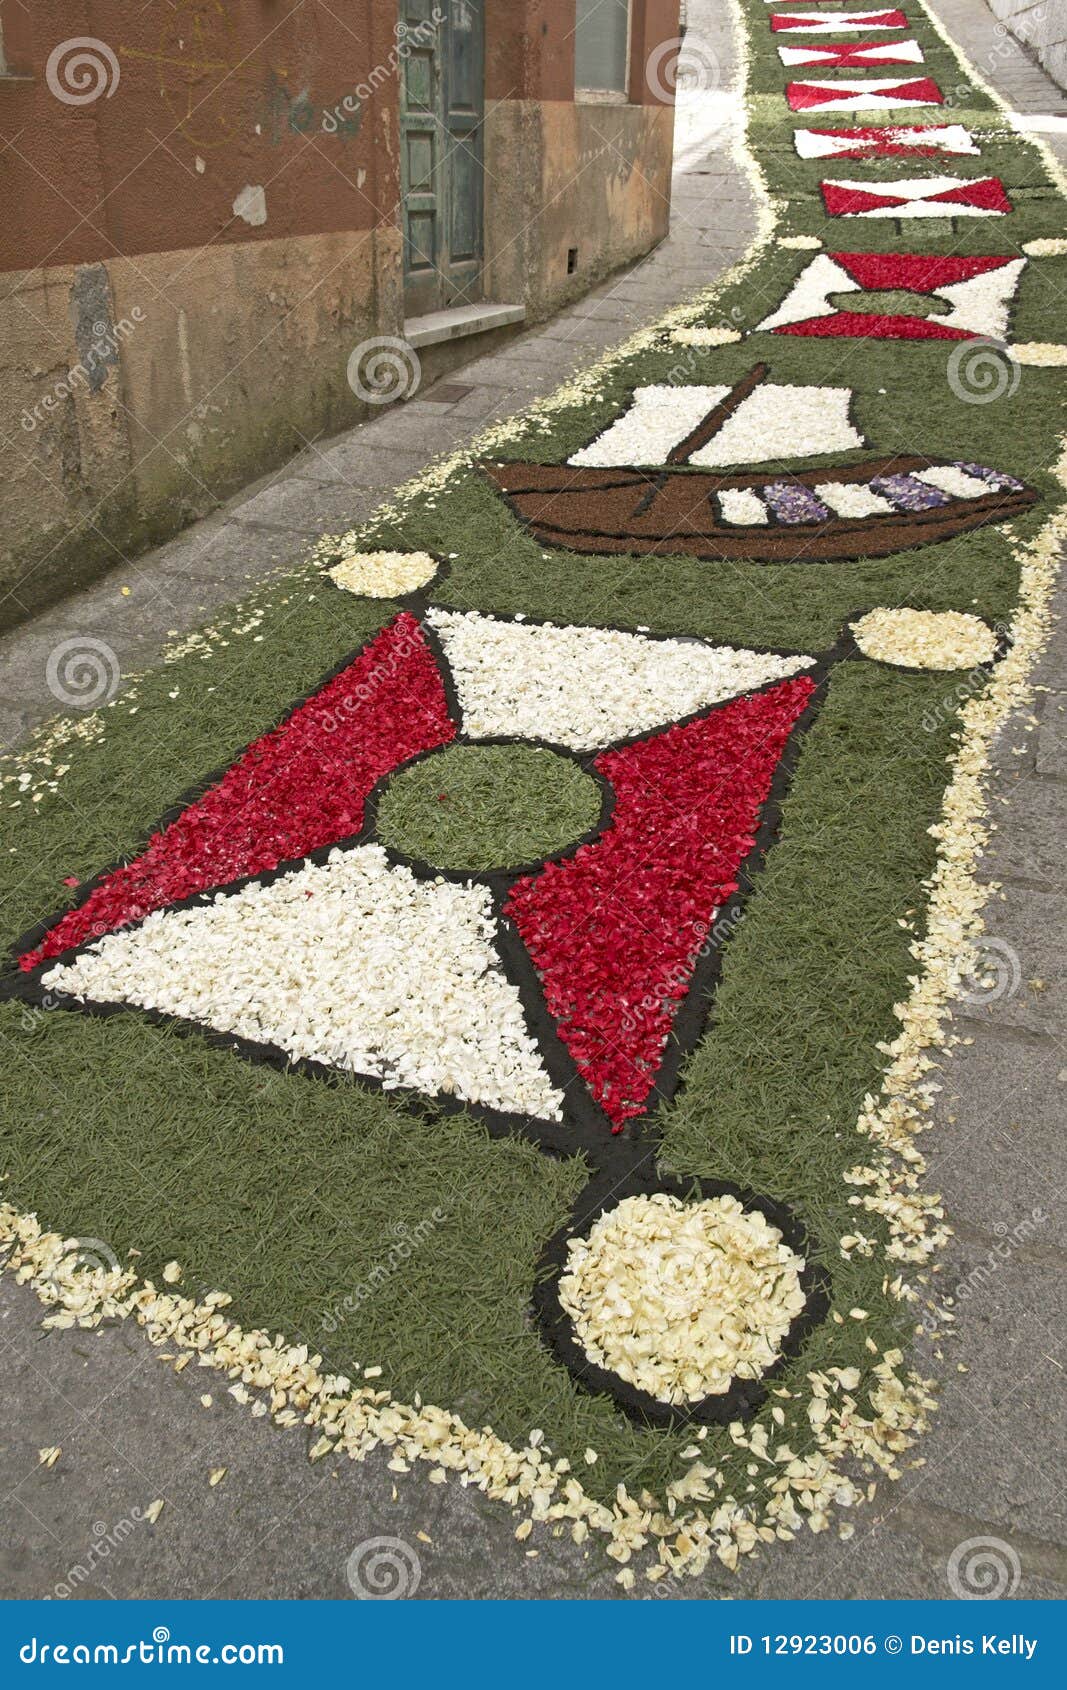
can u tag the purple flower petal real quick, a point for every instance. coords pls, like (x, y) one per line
(910, 494)
(996, 480)
(791, 502)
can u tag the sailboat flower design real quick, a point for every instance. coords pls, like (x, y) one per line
(653, 481)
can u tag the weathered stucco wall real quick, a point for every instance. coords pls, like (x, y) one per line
(201, 223)
(176, 109)
(594, 179)
(140, 392)
(1042, 25)
(191, 254)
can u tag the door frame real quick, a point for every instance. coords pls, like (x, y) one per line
(440, 280)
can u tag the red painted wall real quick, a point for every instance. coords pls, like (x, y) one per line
(212, 96)
(253, 89)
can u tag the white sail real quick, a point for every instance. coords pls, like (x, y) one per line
(659, 419)
(778, 421)
(775, 421)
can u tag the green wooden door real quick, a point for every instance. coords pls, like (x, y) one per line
(441, 109)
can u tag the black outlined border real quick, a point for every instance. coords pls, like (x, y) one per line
(745, 1396)
(622, 1162)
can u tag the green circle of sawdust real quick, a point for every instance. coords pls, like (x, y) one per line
(482, 807)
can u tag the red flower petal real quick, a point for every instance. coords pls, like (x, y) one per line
(616, 931)
(302, 785)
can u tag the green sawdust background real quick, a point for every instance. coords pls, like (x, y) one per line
(480, 807)
(288, 1192)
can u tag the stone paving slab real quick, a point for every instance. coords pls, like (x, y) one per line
(1051, 756)
(131, 1430)
(998, 1147)
(1028, 812)
(1005, 63)
(998, 1448)
(1024, 931)
(326, 505)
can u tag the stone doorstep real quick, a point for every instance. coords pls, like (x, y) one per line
(437, 327)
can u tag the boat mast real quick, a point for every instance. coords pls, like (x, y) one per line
(709, 425)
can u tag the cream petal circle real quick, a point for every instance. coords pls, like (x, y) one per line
(383, 575)
(925, 639)
(1040, 354)
(680, 1299)
(701, 334)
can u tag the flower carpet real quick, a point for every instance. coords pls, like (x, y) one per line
(484, 996)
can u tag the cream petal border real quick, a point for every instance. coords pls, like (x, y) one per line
(694, 1522)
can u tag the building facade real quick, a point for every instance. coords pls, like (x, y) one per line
(210, 205)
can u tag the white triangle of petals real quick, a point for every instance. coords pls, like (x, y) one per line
(981, 304)
(779, 420)
(810, 294)
(353, 963)
(587, 687)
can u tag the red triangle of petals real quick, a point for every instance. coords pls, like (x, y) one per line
(914, 272)
(300, 786)
(842, 201)
(886, 142)
(802, 95)
(843, 324)
(842, 55)
(616, 931)
(988, 193)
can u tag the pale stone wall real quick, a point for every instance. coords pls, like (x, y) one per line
(1042, 26)
(589, 179)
